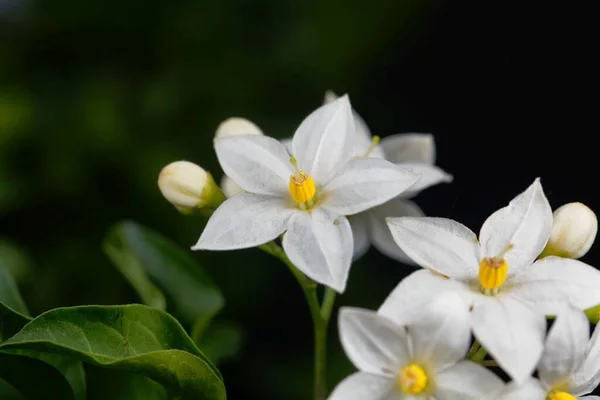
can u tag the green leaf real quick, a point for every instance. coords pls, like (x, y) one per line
(133, 338)
(221, 341)
(34, 378)
(9, 293)
(7, 392)
(119, 385)
(192, 294)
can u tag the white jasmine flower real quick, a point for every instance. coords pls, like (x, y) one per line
(229, 187)
(509, 293)
(573, 231)
(421, 361)
(305, 196)
(415, 151)
(570, 365)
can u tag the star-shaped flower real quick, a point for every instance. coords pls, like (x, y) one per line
(306, 196)
(415, 151)
(570, 365)
(508, 292)
(423, 360)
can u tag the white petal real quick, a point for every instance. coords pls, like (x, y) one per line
(442, 334)
(552, 281)
(512, 333)
(565, 346)
(245, 220)
(590, 398)
(229, 187)
(360, 233)
(467, 381)
(319, 243)
(406, 302)
(363, 140)
(430, 175)
(323, 141)
(409, 148)
(587, 376)
(259, 164)
(442, 244)
(365, 183)
(380, 232)
(372, 342)
(530, 390)
(525, 223)
(287, 143)
(365, 386)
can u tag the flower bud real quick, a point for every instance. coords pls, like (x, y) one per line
(189, 187)
(573, 231)
(329, 97)
(237, 127)
(230, 187)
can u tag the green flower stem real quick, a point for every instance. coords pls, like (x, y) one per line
(479, 355)
(474, 347)
(320, 316)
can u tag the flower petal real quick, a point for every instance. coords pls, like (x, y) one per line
(529, 390)
(565, 346)
(512, 333)
(259, 164)
(467, 381)
(442, 334)
(364, 183)
(590, 398)
(360, 233)
(409, 148)
(363, 140)
(587, 376)
(362, 386)
(380, 232)
(430, 175)
(245, 220)
(525, 224)
(287, 143)
(552, 281)
(319, 243)
(441, 244)
(406, 302)
(323, 141)
(372, 342)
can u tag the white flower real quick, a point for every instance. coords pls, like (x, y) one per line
(509, 293)
(236, 126)
(187, 186)
(415, 151)
(573, 231)
(420, 361)
(570, 364)
(229, 187)
(306, 196)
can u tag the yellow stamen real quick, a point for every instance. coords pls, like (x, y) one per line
(302, 187)
(374, 144)
(412, 379)
(493, 271)
(560, 396)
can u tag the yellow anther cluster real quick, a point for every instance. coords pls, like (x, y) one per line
(302, 187)
(492, 272)
(412, 379)
(560, 396)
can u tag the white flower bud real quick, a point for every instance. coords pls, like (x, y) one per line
(187, 186)
(329, 97)
(235, 126)
(230, 187)
(573, 231)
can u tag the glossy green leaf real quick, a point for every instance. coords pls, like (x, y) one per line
(133, 338)
(8, 392)
(191, 293)
(118, 385)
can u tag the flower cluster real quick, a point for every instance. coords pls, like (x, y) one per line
(333, 189)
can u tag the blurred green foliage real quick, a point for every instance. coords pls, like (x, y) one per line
(97, 96)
